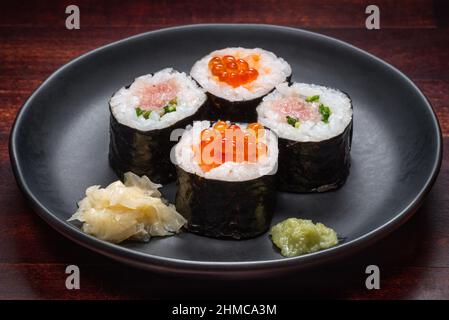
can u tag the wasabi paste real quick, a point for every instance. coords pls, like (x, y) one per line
(295, 237)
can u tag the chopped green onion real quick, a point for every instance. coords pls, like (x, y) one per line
(173, 102)
(293, 121)
(146, 114)
(313, 98)
(325, 113)
(171, 106)
(139, 111)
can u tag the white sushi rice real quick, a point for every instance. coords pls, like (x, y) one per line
(190, 97)
(273, 71)
(228, 171)
(338, 102)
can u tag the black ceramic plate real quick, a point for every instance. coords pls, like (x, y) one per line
(59, 145)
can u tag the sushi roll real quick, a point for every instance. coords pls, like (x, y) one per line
(226, 183)
(142, 117)
(236, 80)
(314, 127)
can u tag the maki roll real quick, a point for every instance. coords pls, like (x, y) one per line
(144, 114)
(236, 80)
(314, 127)
(226, 182)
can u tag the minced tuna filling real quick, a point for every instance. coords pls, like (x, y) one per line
(154, 96)
(297, 108)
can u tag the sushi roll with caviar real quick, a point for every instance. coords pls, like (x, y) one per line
(236, 80)
(144, 114)
(314, 127)
(226, 182)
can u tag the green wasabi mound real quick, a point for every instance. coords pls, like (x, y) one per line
(295, 237)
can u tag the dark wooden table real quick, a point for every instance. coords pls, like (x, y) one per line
(414, 36)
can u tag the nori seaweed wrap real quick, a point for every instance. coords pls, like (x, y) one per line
(236, 80)
(144, 152)
(314, 166)
(223, 209)
(235, 111)
(231, 200)
(142, 118)
(314, 126)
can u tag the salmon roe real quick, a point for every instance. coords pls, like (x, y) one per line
(235, 72)
(237, 145)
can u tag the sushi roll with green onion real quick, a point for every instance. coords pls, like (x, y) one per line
(314, 127)
(236, 79)
(143, 116)
(226, 183)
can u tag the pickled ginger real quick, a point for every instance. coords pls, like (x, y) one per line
(131, 210)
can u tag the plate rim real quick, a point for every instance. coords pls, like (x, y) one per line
(236, 268)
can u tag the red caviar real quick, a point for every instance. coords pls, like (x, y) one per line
(237, 145)
(235, 72)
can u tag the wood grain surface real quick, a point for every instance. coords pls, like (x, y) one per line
(414, 37)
